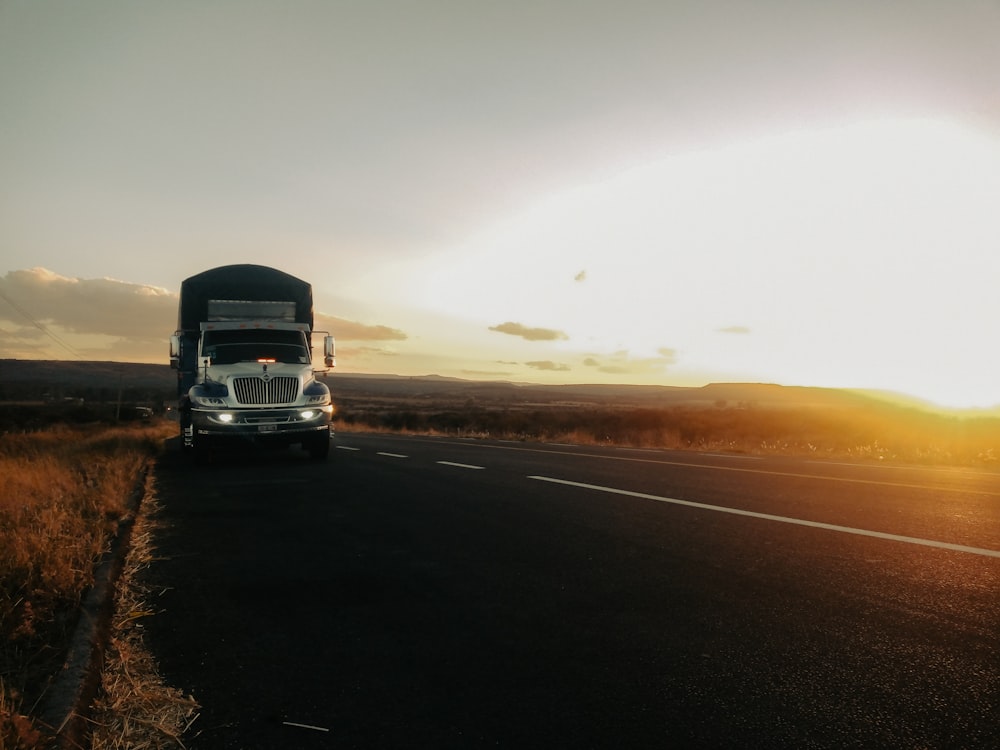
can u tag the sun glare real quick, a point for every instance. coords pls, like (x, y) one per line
(860, 256)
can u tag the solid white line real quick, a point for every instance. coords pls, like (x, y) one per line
(460, 466)
(780, 519)
(391, 455)
(346, 448)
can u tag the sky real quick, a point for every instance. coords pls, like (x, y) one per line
(642, 191)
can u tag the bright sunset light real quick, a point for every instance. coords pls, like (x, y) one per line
(860, 255)
(655, 193)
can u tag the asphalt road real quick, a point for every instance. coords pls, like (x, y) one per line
(421, 592)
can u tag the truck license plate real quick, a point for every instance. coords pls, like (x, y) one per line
(266, 428)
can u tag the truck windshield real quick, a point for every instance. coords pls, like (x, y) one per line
(229, 347)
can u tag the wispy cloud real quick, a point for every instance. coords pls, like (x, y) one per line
(733, 329)
(349, 330)
(548, 365)
(357, 352)
(22, 342)
(623, 363)
(486, 373)
(529, 334)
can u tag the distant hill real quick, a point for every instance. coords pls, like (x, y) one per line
(497, 393)
(85, 374)
(23, 379)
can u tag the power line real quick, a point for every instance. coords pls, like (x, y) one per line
(39, 326)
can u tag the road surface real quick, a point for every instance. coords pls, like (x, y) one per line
(431, 592)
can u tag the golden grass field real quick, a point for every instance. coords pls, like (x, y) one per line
(866, 431)
(63, 492)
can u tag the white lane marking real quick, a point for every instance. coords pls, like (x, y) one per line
(745, 470)
(259, 482)
(305, 726)
(460, 466)
(346, 448)
(952, 470)
(779, 519)
(391, 455)
(715, 467)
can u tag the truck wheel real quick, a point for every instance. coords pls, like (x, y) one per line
(319, 447)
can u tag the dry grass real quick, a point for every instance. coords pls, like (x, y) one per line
(63, 493)
(136, 709)
(877, 432)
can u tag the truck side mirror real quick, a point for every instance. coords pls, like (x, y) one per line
(175, 352)
(329, 351)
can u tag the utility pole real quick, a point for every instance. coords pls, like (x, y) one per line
(118, 405)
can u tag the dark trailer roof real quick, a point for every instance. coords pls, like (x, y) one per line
(241, 282)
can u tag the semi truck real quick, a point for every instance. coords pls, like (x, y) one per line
(243, 355)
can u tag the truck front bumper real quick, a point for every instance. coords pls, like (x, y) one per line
(287, 424)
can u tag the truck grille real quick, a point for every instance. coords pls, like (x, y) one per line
(260, 391)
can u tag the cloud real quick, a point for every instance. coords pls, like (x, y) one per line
(358, 352)
(733, 329)
(349, 330)
(529, 334)
(103, 306)
(623, 363)
(22, 342)
(548, 365)
(486, 373)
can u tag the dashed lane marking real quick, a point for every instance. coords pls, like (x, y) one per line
(297, 725)
(391, 455)
(779, 519)
(460, 466)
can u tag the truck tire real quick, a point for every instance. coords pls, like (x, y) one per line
(319, 447)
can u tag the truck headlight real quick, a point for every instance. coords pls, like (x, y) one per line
(314, 413)
(208, 401)
(213, 394)
(316, 394)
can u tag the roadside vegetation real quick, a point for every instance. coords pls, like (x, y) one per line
(63, 492)
(874, 431)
